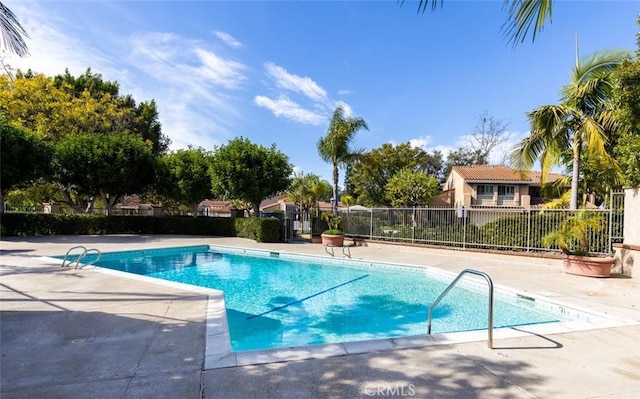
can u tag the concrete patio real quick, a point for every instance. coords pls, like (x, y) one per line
(68, 333)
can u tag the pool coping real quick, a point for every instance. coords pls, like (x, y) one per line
(218, 352)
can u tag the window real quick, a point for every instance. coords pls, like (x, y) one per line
(506, 193)
(485, 191)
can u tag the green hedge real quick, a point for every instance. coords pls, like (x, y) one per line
(259, 229)
(25, 224)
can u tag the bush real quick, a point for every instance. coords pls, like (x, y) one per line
(23, 224)
(259, 229)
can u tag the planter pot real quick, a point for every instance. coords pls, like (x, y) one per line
(588, 266)
(332, 240)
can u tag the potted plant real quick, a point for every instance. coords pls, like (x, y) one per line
(573, 240)
(334, 236)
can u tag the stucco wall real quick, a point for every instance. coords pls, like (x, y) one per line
(632, 216)
(628, 253)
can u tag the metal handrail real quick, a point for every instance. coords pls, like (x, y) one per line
(86, 252)
(82, 254)
(446, 291)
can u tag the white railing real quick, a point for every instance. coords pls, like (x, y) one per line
(478, 227)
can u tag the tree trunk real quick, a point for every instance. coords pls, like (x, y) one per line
(573, 204)
(256, 209)
(334, 203)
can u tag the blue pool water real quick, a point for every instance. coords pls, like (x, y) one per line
(274, 302)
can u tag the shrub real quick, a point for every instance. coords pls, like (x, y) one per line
(22, 224)
(259, 229)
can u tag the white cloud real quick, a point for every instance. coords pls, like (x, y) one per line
(348, 111)
(344, 92)
(284, 107)
(195, 84)
(295, 83)
(51, 50)
(192, 85)
(224, 72)
(420, 142)
(312, 107)
(228, 39)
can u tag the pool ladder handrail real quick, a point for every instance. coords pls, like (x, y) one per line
(453, 283)
(82, 254)
(345, 250)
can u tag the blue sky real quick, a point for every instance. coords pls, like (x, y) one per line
(274, 71)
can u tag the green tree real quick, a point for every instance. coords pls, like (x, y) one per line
(306, 190)
(245, 171)
(347, 200)
(103, 165)
(523, 16)
(335, 146)
(464, 157)
(86, 104)
(23, 158)
(627, 99)
(373, 169)
(147, 125)
(409, 188)
(12, 33)
(583, 121)
(626, 153)
(184, 176)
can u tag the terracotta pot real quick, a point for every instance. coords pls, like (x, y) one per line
(332, 240)
(588, 266)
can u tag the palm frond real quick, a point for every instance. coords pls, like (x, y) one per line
(526, 15)
(597, 62)
(12, 32)
(423, 4)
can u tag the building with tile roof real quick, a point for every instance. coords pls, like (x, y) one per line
(493, 186)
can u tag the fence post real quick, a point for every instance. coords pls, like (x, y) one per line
(528, 229)
(464, 228)
(610, 246)
(371, 224)
(413, 226)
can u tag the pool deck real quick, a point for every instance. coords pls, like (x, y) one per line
(68, 333)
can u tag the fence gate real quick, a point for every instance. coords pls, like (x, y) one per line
(616, 219)
(296, 224)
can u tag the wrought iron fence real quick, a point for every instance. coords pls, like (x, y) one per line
(23, 209)
(514, 229)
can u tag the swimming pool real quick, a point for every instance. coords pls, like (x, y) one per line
(276, 300)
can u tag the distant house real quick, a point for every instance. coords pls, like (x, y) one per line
(281, 203)
(215, 208)
(278, 203)
(492, 186)
(131, 206)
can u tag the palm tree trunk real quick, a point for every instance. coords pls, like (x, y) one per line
(334, 202)
(573, 204)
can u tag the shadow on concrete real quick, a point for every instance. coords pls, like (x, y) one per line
(98, 354)
(420, 373)
(15, 252)
(553, 344)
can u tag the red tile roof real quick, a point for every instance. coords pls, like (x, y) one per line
(490, 172)
(536, 176)
(502, 173)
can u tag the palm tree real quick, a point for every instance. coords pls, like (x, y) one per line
(523, 15)
(12, 32)
(335, 146)
(306, 190)
(582, 122)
